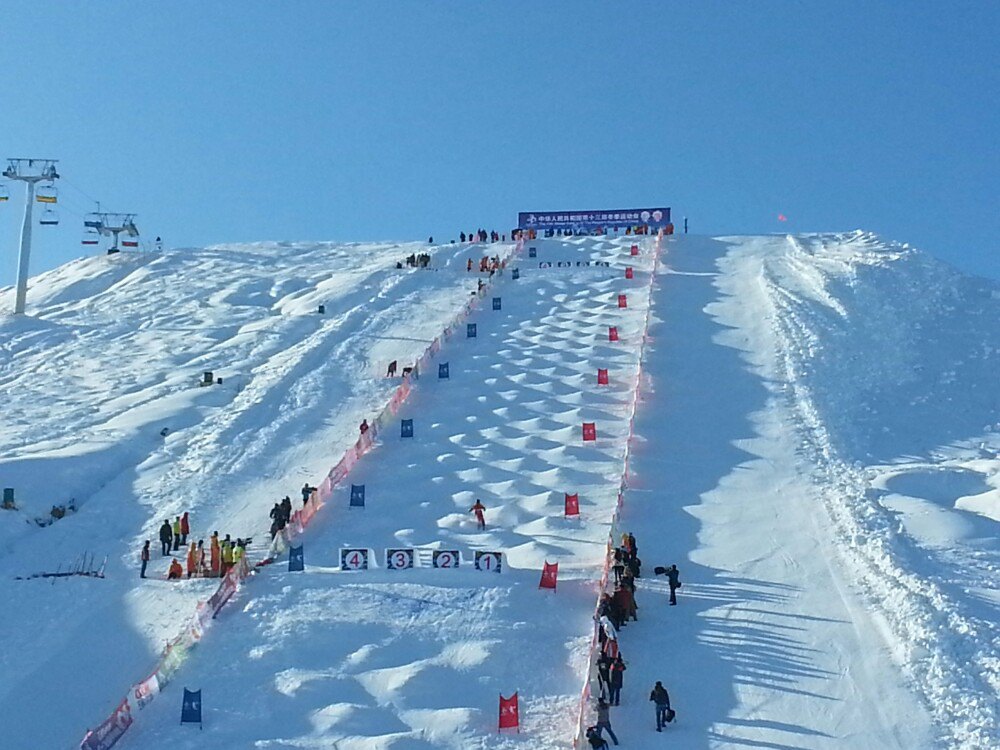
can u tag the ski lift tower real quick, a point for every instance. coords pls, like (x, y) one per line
(109, 224)
(28, 171)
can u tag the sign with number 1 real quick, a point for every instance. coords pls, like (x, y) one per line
(490, 561)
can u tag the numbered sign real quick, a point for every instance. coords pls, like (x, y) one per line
(357, 496)
(532, 252)
(470, 330)
(515, 274)
(443, 371)
(446, 558)
(400, 558)
(406, 428)
(496, 303)
(489, 561)
(354, 558)
(622, 300)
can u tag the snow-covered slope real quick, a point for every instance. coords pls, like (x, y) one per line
(816, 448)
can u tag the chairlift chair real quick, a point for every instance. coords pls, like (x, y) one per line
(49, 218)
(47, 194)
(4, 195)
(91, 237)
(92, 221)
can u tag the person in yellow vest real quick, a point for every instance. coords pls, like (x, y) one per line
(216, 555)
(227, 556)
(238, 552)
(176, 571)
(192, 560)
(177, 533)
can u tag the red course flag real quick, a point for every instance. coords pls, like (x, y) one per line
(572, 504)
(634, 250)
(508, 714)
(550, 573)
(589, 431)
(602, 376)
(612, 333)
(629, 273)
(622, 300)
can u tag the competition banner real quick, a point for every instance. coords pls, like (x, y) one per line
(655, 218)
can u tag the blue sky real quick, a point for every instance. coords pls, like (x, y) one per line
(223, 122)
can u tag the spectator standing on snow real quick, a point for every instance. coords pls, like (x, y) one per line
(227, 555)
(604, 675)
(363, 426)
(619, 564)
(479, 509)
(192, 560)
(144, 557)
(185, 529)
(307, 492)
(617, 678)
(286, 509)
(662, 700)
(177, 533)
(674, 579)
(216, 554)
(604, 719)
(202, 571)
(166, 538)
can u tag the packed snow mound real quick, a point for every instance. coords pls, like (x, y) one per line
(901, 350)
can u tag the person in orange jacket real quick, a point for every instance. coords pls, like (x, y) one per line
(216, 555)
(479, 509)
(192, 560)
(176, 571)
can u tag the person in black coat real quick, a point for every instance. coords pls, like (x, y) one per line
(617, 678)
(619, 564)
(604, 674)
(166, 538)
(660, 697)
(674, 580)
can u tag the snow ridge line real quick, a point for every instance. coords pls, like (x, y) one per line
(113, 728)
(581, 724)
(952, 666)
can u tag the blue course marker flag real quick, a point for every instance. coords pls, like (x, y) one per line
(496, 303)
(357, 496)
(470, 330)
(191, 707)
(406, 428)
(532, 252)
(296, 560)
(515, 274)
(443, 371)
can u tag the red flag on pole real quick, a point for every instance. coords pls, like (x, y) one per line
(622, 300)
(634, 250)
(572, 504)
(508, 714)
(602, 376)
(589, 431)
(629, 273)
(550, 573)
(612, 333)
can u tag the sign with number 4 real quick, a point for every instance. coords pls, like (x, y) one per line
(354, 558)
(446, 558)
(399, 558)
(491, 561)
